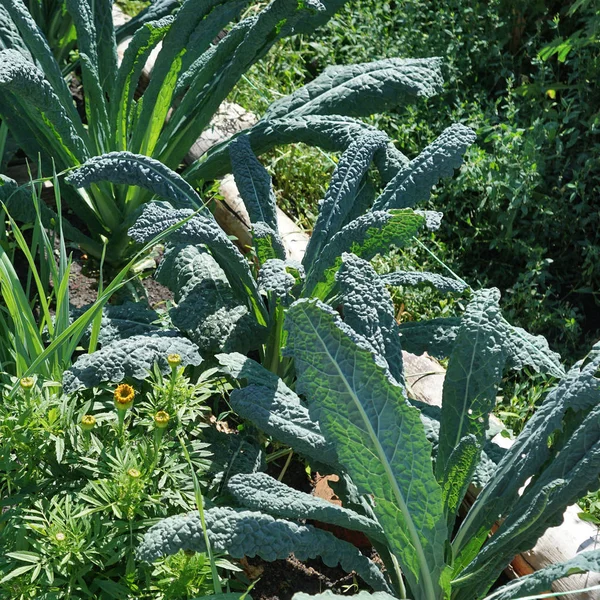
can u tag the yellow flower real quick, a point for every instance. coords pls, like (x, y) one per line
(161, 419)
(88, 422)
(27, 383)
(133, 473)
(174, 360)
(124, 395)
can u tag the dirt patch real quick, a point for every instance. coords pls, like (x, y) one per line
(83, 285)
(281, 579)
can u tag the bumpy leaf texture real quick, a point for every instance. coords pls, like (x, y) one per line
(369, 310)
(365, 237)
(135, 169)
(158, 216)
(333, 133)
(567, 407)
(261, 492)
(10, 36)
(254, 183)
(379, 439)
(423, 278)
(572, 473)
(207, 309)
(124, 320)
(473, 375)
(275, 409)
(435, 336)
(131, 358)
(282, 278)
(413, 183)
(155, 11)
(362, 89)
(344, 186)
(26, 86)
(38, 46)
(247, 533)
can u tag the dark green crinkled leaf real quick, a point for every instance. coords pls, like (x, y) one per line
(158, 216)
(575, 395)
(471, 382)
(379, 439)
(437, 337)
(253, 183)
(457, 475)
(363, 89)
(207, 309)
(107, 44)
(37, 44)
(267, 243)
(539, 582)
(10, 36)
(434, 336)
(524, 349)
(135, 169)
(283, 278)
(419, 278)
(330, 132)
(28, 87)
(247, 533)
(413, 183)
(343, 189)
(241, 367)
(366, 236)
(132, 358)
(124, 320)
(232, 454)
(261, 492)
(369, 310)
(156, 10)
(276, 409)
(279, 413)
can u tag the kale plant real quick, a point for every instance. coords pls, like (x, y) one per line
(223, 302)
(190, 80)
(359, 422)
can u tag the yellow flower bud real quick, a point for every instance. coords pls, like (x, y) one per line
(88, 422)
(161, 419)
(124, 395)
(134, 473)
(174, 360)
(27, 383)
(60, 536)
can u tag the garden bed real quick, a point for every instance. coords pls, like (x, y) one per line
(253, 343)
